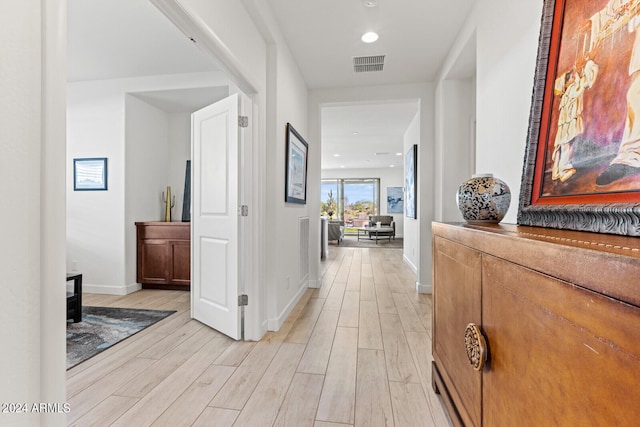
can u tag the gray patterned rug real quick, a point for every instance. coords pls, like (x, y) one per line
(102, 327)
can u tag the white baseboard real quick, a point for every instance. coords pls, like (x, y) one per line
(108, 289)
(314, 284)
(410, 264)
(275, 324)
(423, 288)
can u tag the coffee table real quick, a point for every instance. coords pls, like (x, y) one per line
(373, 231)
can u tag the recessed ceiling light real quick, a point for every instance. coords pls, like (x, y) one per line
(369, 37)
(370, 3)
(354, 133)
(336, 155)
(382, 153)
(342, 166)
(398, 154)
(392, 166)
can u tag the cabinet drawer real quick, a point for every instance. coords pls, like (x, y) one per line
(559, 354)
(161, 230)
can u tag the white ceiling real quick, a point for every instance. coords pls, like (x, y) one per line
(324, 36)
(128, 38)
(365, 135)
(183, 100)
(109, 39)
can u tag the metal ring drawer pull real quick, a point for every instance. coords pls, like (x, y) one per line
(476, 346)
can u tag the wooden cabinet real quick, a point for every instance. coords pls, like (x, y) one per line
(457, 305)
(559, 311)
(164, 255)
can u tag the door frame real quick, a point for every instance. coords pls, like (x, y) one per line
(253, 232)
(53, 200)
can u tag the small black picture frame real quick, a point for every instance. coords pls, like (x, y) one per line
(295, 182)
(90, 174)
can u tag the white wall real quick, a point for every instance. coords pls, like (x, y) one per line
(412, 241)
(20, 133)
(283, 268)
(95, 219)
(103, 121)
(506, 58)
(146, 163)
(389, 177)
(179, 153)
(456, 144)
(423, 95)
(32, 360)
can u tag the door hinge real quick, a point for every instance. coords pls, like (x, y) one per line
(243, 210)
(243, 300)
(243, 121)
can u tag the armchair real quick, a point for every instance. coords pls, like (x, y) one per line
(386, 221)
(335, 231)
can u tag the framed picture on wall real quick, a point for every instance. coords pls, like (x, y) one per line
(395, 200)
(295, 190)
(410, 183)
(90, 174)
(582, 162)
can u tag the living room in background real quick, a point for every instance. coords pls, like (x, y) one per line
(351, 200)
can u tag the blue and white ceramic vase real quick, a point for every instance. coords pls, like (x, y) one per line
(483, 199)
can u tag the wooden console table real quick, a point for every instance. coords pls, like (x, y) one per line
(557, 316)
(164, 255)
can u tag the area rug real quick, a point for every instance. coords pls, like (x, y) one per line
(365, 242)
(102, 327)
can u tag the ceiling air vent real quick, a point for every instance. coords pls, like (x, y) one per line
(366, 64)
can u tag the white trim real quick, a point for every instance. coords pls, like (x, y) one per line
(410, 264)
(53, 207)
(195, 28)
(424, 289)
(110, 289)
(255, 318)
(276, 323)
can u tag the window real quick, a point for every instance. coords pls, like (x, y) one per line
(351, 200)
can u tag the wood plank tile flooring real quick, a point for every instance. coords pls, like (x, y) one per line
(355, 352)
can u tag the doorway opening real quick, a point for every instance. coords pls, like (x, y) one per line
(131, 102)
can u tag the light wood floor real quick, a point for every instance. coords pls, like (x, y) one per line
(356, 351)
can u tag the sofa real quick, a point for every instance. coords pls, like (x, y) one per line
(385, 221)
(335, 231)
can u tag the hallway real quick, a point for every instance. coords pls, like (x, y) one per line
(356, 351)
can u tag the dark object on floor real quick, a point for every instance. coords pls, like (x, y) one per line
(614, 172)
(102, 327)
(74, 299)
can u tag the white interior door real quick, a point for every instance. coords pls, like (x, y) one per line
(215, 241)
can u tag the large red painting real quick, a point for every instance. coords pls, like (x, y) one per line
(590, 144)
(583, 151)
